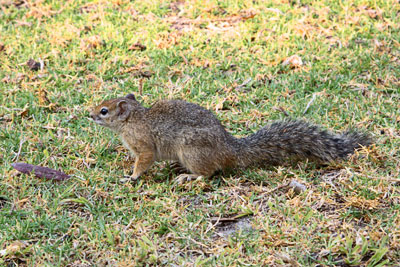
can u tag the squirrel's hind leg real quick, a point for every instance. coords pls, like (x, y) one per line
(178, 168)
(202, 161)
(185, 177)
(190, 172)
(198, 163)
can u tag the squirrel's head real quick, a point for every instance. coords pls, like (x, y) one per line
(114, 112)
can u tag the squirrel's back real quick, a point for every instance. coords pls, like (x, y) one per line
(178, 114)
(179, 118)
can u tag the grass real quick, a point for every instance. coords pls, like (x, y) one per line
(226, 56)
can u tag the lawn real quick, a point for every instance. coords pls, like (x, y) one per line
(334, 63)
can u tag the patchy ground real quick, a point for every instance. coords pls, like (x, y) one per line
(251, 62)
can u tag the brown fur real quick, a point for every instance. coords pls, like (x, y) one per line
(185, 132)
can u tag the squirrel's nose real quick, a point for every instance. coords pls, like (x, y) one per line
(92, 116)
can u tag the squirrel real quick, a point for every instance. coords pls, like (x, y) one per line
(193, 136)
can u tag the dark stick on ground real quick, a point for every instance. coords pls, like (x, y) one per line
(41, 172)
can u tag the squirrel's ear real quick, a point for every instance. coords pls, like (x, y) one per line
(131, 96)
(124, 110)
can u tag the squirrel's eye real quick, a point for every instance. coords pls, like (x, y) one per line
(103, 111)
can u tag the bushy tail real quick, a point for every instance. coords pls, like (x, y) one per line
(297, 139)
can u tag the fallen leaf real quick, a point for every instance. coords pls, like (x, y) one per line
(274, 10)
(41, 172)
(145, 74)
(165, 41)
(373, 13)
(91, 42)
(13, 248)
(88, 8)
(140, 89)
(293, 61)
(6, 79)
(297, 187)
(16, 3)
(248, 14)
(224, 23)
(220, 104)
(24, 112)
(177, 6)
(19, 77)
(137, 46)
(287, 259)
(33, 65)
(23, 23)
(44, 100)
